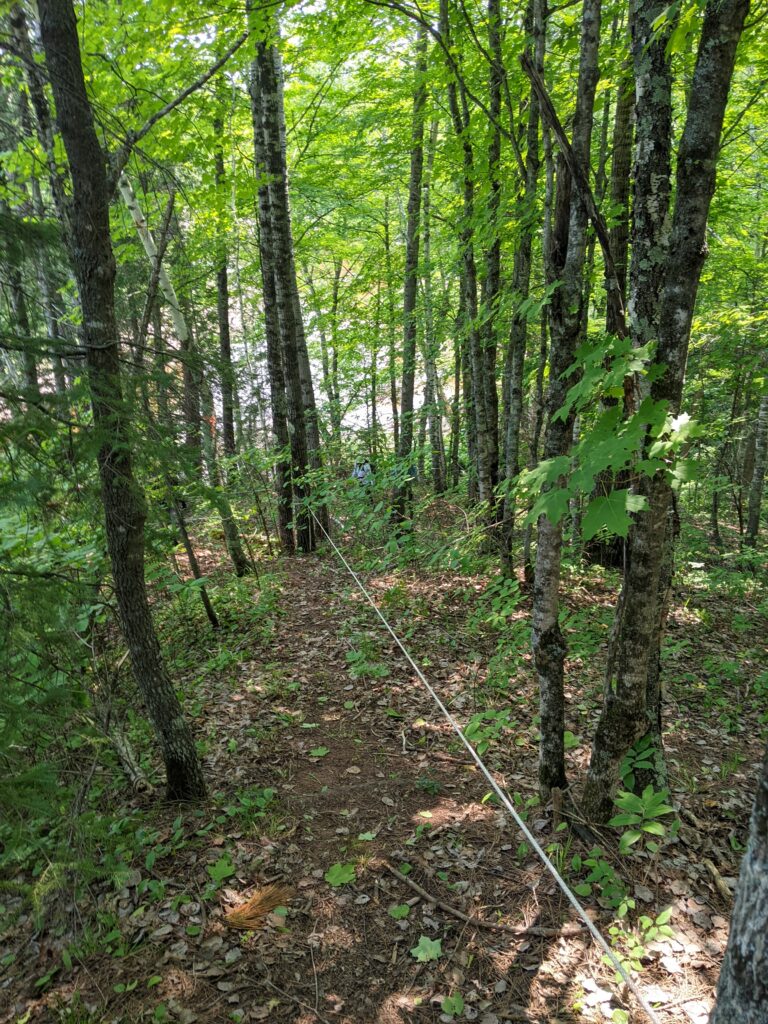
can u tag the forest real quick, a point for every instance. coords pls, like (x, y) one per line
(383, 563)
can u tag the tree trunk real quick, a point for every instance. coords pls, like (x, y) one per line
(636, 636)
(228, 382)
(742, 991)
(758, 474)
(309, 406)
(566, 313)
(433, 406)
(392, 367)
(484, 431)
(453, 447)
(491, 283)
(19, 306)
(219, 499)
(277, 391)
(267, 127)
(93, 262)
(411, 279)
(520, 288)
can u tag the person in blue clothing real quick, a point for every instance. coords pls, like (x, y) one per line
(363, 473)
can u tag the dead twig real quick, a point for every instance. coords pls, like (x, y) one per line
(570, 927)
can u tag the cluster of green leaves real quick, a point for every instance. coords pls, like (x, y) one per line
(644, 442)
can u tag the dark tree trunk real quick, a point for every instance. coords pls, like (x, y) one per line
(309, 406)
(742, 991)
(758, 474)
(392, 367)
(278, 398)
(93, 262)
(636, 637)
(570, 245)
(491, 283)
(411, 279)
(609, 551)
(267, 125)
(484, 453)
(19, 307)
(432, 401)
(228, 383)
(520, 288)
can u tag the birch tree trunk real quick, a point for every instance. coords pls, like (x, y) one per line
(90, 250)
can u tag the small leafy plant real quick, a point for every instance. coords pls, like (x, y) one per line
(642, 814)
(340, 874)
(427, 949)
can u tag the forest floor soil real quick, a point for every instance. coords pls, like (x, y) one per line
(325, 711)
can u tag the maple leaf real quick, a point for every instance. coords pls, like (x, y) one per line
(611, 514)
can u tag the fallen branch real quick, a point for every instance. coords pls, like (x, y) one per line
(570, 927)
(720, 883)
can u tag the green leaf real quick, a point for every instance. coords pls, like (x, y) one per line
(339, 874)
(223, 868)
(366, 837)
(611, 514)
(154, 980)
(427, 949)
(319, 752)
(453, 1005)
(399, 912)
(664, 916)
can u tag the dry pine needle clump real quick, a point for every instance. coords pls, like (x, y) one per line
(250, 915)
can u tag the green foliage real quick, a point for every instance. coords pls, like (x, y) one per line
(642, 814)
(640, 758)
(399, 912)
(453, 1005)
(487, 727)
(427, 949)
(340, 874)
(645, 441)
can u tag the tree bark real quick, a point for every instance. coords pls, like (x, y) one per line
(275, 372)
(391, 332)
(742, 991)
(566, 312)
(758, 475)
(267, 126)
(228, 382)
(520, 287)
(93, 262)
(432, 402)
(411, 278)
(636, 636)
(483, 431)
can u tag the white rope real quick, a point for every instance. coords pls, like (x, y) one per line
(506, 802)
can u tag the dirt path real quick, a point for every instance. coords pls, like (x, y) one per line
(365, 779)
